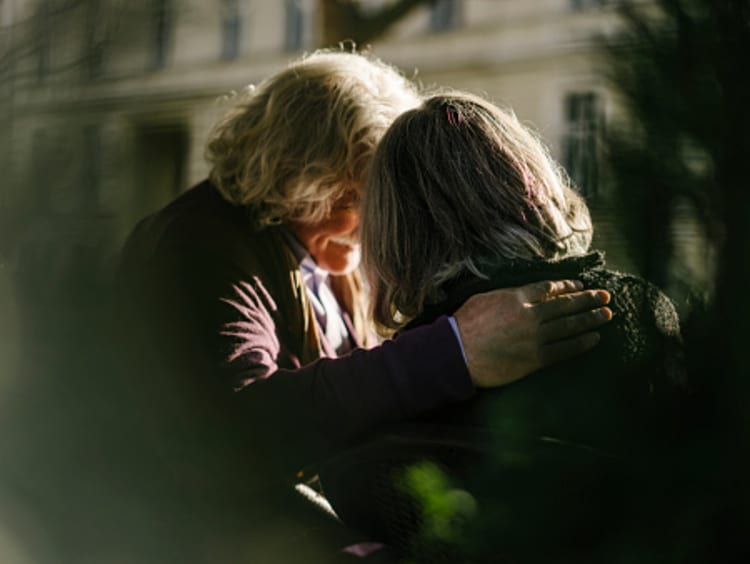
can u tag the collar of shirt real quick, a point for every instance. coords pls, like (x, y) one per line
(312, 274)
(326, 307)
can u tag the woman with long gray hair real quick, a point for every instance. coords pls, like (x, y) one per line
(461, 199)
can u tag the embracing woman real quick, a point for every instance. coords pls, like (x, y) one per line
(462, 199)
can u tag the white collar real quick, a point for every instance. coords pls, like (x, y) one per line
(311, 272)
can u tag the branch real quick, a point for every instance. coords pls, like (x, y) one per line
(345, 19)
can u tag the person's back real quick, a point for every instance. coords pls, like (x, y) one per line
(580, 435)
(463, 199)
(610, 398)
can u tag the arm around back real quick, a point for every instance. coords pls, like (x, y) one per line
(215, 339)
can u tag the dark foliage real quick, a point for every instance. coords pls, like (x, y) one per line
(680, 74)
(678, 69)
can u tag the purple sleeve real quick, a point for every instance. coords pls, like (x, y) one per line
(224, 344)
(420, 370)
(323, 406)
(303, 414)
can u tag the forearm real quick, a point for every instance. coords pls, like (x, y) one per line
(226, 336)
(308, 413)
(400, 379)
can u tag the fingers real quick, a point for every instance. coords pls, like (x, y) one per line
(542, 291)
(572, 325)
(558, 351)
(569, 304)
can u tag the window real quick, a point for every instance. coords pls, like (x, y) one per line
(580, 141)
(231, 26)
(42, 177)
(298, 24)
(91, 168)
(162, 22)
(44, 41)
(584, 4)
(94, 54)
(160, 165)
(444, 15)
(6, 13)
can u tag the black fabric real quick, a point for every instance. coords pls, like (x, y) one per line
(224, 345)
(552, 459)
(607, 398)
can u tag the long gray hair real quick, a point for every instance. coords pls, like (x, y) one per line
(454, 184)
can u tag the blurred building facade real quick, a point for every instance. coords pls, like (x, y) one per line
(106, 104)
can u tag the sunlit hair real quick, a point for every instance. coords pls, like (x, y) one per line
(306, 135)
(457, 184)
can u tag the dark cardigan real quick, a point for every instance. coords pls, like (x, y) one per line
(225, 348)
(550, 459)
(606, 398)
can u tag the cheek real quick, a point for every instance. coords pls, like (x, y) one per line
(343, 222)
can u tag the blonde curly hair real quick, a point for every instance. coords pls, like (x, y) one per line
(293, 146)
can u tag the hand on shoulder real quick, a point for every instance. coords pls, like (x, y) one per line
(509, 333)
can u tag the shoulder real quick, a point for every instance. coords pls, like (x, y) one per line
(614, 279)
(625, 287)
(197, 217)
(633, 294)
(645, 329)
(197, 223)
